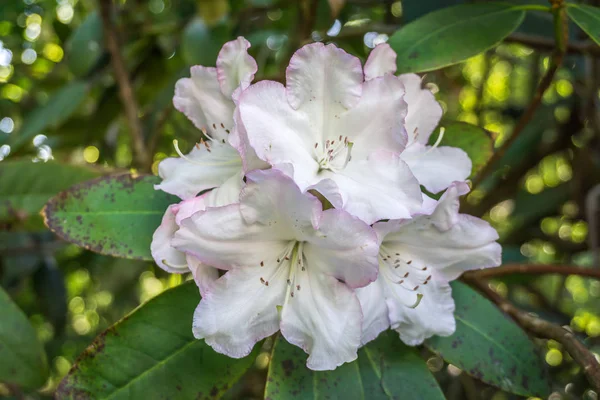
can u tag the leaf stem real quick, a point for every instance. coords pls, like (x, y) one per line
(533, 7)
(509, 269)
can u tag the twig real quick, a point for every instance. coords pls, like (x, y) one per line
(125, 89)
(556, 61)
(542, 43)
(509, 269)
(547, 330)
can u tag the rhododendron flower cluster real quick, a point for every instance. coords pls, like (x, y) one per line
(302, 205)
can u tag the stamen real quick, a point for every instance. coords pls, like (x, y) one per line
(176, 266)
(419, 298)
(213, 164)
(438, 141)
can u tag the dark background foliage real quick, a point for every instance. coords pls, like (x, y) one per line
(86, 89)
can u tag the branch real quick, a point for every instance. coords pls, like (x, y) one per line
(556, 60)
(542, 43)
(509, 269)
(547, 330)
(125, 89)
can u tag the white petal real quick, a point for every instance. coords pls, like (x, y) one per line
(220, 237)
(468, 244)
(238, 139)
(204, 275)
(272, 198)
(436, 168)
(239, 309)
(167, 257)
(324, 319)
(188, 207)
(344, 247)
(424, 112)
(201, 100)
(374, 309)
(377, 121)
(227, 193)
(278, 133)
(434, 315)
(381, 187)
(381, 61)
(235, 67)
(325, 76)
(445, 212)
(199, 170)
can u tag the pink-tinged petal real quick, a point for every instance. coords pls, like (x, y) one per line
(325, 76)
(381, 61)
(381, 187)
(377, 121)
(167, 257)
(436, 168)
(374, 309)
(424, 112)
(201, 100)
(434, 315)
(277, 133)
(329, 189)
(200, 170)
(239, 309)
(204, 275)
(345, 248)
(188, 207)
(272, 198)
(324, 319)
(235, 67)
(220, 237)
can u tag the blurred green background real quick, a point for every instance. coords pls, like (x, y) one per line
(59, 101)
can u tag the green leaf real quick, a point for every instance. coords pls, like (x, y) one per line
(152, 354)
(452, 35)
(26, 186)
(201, 44)
(491, 347)
(113, 215)
(385, 369)
(59, 107)
(23, 360)
(587, 18)
(85, 47)
(475, 141)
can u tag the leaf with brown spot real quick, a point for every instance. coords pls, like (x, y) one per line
(453, 34)
(491, 347)
(152, 354)
(22, 356)
(113, 215)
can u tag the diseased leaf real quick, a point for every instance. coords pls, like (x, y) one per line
(475, 141)
(22, 357)
(491, 347)
(385, 369)
(114, 215)
(59, 107)
(451, 35)
(26, 186)
(587, 18)
(152, 354)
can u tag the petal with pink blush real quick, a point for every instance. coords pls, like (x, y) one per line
(424, 112)
(381, 61)
(235, 67)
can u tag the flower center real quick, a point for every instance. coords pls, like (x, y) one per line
(406, 274)
(333, 155)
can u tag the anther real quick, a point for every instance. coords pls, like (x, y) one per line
(227, 130)
(298, 287)
(262, 280)
(292, 294)
(214, 126)
(266, 283)
(262, 263)
(316, 145)
(222, 126)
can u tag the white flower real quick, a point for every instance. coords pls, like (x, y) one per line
(417, 259)
(207, 99)
(290, 266)
(333, 132)
(435, 167)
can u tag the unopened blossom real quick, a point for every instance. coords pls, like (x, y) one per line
(417, 260)
(333, 131)
(290, 266)
(207, 98)
(435, 167)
